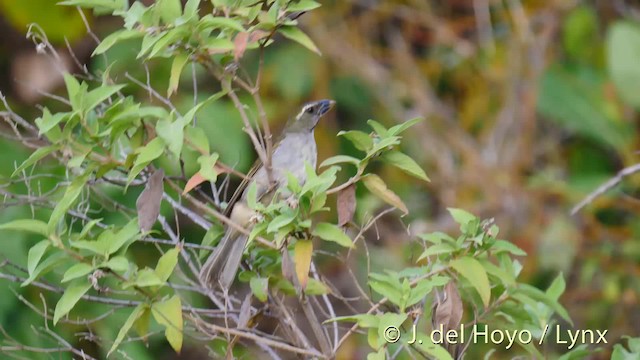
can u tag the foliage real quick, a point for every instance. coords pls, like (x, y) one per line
(87, 231)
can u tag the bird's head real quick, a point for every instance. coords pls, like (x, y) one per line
(309, 115)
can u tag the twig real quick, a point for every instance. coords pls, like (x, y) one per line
(213, 328)
(606, 186)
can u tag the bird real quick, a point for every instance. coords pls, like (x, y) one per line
(296, 147)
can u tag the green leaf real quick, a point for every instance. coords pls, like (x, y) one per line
(172, 132)
(426, 345)
(197, 138)
(389, 289)
(398, 129)
(210, 21)
(148, 277)
(207, 166)
(45, 266)
(97, 247)
(259, 288)
(135, 314)
(331, 232)
(377, 186)
(361, 140)
(364, 321)
(378, 128)
(27, 225)
(423, 288)
(220, 45)
(35, 254)
(98, 5)
(575, 100)
(71, 296)
(506, 246)
(191, 8)
(176, 69)
(473, 271)
(623, 47)
(122, 237)
(47, 121)
(390, 320)
(316, 287)
(405, 163)
(168, 313)
(35, 157)
(168, 38)
(542, 297)
(556, 288)
(295, 34)
(169, 10)
(167, 263)
(281, 221)
(437, 249)
(462, 217)
(302, 5)
(98, 95)
(71, 194)
(339, 159)
(76, 271)
(118, 264)
(114, 38)
(146, 154)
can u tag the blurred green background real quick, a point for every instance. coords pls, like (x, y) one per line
(529, 106)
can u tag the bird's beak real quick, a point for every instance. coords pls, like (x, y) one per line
(325, 106)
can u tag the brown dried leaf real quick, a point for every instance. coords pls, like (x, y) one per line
(346, 204)
(148, 203)
(287, 266)
(245, 312)
(447, 312)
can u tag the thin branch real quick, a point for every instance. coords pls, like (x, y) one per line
(606, 187)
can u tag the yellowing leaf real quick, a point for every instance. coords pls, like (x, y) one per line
(167, 263)
(375, 184)
(302, 252)
(168, 313)
(472, 270)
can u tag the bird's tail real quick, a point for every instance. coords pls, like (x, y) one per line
(221, 267)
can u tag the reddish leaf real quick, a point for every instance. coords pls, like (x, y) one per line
(198, 179)
(194, 181)
(346, 204)
(257, 35)
(240, 44)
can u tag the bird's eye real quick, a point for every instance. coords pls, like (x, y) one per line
(310, 110)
